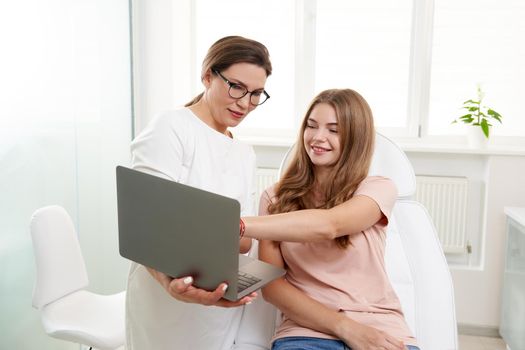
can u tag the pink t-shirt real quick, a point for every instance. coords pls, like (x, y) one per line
(352, 280)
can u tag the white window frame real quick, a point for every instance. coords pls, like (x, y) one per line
(172, 84)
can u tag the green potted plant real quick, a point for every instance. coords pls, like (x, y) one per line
(478, 117)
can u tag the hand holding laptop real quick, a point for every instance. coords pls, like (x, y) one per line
(179, 231)
(183, 290)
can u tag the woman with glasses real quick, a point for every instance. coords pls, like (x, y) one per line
(194, 145)
(328, 231)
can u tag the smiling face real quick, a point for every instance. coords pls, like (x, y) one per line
(226, 111)
(321, 137)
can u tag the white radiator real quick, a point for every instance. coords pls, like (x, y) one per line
(264, 178)
(445, 198)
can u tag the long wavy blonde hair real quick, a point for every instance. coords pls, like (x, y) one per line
(356, 131)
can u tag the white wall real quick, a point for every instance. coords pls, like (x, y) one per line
(478, 286)
(162, 68)
(478, 291)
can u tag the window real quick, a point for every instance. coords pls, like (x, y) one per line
(365, 46)
(478, 42)
(414, 61)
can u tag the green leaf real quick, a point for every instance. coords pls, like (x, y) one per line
(473, 109)
(486, 121)
(466, 120)
(494, 115)
(485, 127)
(471, 101)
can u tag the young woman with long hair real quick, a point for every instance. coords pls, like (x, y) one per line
(325, 223)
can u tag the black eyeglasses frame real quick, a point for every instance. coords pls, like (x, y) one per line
(230, 85)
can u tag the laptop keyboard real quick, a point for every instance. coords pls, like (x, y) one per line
(245, 280)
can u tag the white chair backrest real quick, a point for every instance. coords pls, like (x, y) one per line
(60, 268)
(431, 311)
(390, 161)
(414, 259)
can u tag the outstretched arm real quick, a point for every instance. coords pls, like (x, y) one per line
(353, 216)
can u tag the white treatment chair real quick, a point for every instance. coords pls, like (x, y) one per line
(414, 260)
(69, 312)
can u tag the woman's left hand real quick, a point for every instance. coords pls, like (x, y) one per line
(182, 289)
(361, 337)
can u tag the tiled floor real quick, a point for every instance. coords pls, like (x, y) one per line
(469, 342)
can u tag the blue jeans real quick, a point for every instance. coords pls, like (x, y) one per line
(309, 343)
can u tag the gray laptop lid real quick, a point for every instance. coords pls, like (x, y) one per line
(183, 231)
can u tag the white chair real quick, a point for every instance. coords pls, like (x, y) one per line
(414, 259)
(69, 312)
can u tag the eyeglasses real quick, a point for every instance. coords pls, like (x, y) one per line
(237, 91)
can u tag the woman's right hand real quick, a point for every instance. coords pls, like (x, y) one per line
(360, 337)
(183, 290)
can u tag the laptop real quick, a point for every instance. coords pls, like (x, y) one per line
(185, 231)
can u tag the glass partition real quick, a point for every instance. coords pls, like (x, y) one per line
(65, 123)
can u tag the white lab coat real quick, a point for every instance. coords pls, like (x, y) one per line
(177, 145)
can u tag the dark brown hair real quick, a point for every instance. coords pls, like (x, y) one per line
(230, 50)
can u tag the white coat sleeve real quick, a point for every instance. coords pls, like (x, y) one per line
(159, 149)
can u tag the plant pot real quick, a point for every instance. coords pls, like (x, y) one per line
(476, 137)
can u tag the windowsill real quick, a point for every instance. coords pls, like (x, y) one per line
(516, 213)
(490, 150)
(407, 145)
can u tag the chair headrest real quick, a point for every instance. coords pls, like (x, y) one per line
(388, 160)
